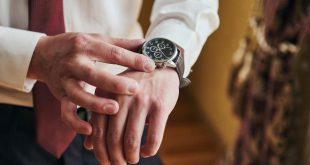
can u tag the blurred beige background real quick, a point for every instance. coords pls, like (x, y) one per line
(207, 95)
(212, 70)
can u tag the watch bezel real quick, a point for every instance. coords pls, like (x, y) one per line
(175, 53)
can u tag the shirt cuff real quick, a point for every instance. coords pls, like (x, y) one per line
(28, 84)
(16, 50)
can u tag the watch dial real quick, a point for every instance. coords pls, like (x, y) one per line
(159, 49)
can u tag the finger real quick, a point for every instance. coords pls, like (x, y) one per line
(94, 103)
(116, 132)
(129, 44)
(102, 79)
(134, 129)
(88, 143)
(69, 116)
(113, 54)
(99, 123)
(157, 122)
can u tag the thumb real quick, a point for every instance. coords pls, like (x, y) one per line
(70, 117)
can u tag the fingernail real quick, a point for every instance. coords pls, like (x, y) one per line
(133, 88)
(149, 66)
(144, 156)
(89, 148)
(109, 108)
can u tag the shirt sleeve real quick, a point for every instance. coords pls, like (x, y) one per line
(188, 23)
(16, 49)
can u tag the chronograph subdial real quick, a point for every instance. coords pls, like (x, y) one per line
(160, 49)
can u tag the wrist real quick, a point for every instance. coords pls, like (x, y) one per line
(36, 66)
(169, 73)
(169, 70)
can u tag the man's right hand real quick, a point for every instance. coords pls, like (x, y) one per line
(66, 62)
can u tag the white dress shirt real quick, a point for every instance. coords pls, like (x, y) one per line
(186, 22)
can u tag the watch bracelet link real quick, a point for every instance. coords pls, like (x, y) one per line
(180, 70)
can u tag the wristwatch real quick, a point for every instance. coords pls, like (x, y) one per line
(166, 53)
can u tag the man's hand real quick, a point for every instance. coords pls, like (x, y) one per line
(66, 62)
(120, 134)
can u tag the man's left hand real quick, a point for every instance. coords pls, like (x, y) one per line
(116, 139)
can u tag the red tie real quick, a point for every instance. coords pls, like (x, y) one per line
(46, 16)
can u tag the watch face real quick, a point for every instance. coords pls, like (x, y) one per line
(159, 49)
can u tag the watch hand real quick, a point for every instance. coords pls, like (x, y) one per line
(161, 51)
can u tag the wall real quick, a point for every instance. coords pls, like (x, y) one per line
(211, 72)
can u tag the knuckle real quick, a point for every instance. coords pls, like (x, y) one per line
(158, 104)
(72, 94)
(139, 60)
(98, 132)
(79, 42)
(119, 86)
(88, 71)
(117, 54)
(132, 143)
(94, 106)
